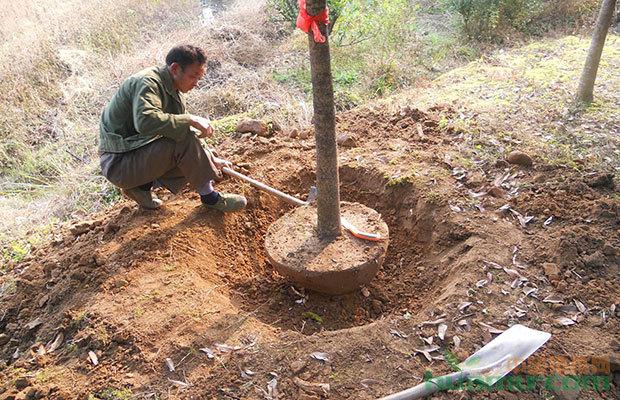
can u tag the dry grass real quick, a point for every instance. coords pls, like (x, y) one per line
(68, 57)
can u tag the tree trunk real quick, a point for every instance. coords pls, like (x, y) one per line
(585, 93)
(328, 201)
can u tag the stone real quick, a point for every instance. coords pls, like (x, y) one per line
(293, 134)
(83, 227)
(4, 339)
(304, 135)
(34, 394)
(519, 158)
(254, 126)
(346, 140)
(21, 383)
(552, 271)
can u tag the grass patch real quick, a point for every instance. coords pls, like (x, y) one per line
(112, 394)
(523, 99)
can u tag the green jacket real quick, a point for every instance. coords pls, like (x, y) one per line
(145, 108)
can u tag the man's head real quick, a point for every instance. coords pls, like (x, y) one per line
(187, 66)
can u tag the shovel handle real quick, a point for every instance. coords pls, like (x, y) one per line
(429, 387)
(289, 199)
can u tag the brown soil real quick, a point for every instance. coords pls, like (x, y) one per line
(136, 288)
(338, 266)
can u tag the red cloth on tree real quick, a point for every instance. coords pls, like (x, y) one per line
(305, 21)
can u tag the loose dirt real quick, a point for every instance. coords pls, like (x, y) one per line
(132, 288)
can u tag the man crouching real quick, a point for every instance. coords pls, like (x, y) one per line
(145, 138)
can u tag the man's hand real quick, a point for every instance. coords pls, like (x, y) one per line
(203, 125)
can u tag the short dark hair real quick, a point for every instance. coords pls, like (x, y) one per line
(185, 55)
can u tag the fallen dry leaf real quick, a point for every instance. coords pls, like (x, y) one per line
(322, 389)
(564, 321)
(441, 329)
(553, 298)
(208, 352)
(399, 334)
(320, 356)
(55, 344)
(580, 306)
(491, 328)
(181, 385)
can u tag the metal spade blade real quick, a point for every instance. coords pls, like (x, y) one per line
(488, 365)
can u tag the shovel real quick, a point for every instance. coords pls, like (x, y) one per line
(488, 365)
(295, 201)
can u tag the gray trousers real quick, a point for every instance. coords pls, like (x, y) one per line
(173, 164)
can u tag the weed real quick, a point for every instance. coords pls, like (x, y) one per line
(313, 316)
(169, 267)
(112, 394)
(399, 181)
(78, 318)
(138, 312)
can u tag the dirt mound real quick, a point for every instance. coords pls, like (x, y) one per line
(182, 303)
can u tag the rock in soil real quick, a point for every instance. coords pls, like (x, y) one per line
(519, 158)
(552, 271)
(22, 383)
(346, 140)
(253, 126)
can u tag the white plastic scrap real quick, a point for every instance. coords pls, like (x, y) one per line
(548, 221)
(93, 358)
(170, 364)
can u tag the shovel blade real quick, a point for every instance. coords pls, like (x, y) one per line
(504, 353)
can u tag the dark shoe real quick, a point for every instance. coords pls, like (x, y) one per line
(144, 198)
(228, 202)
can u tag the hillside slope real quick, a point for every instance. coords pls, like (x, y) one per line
(136, 288)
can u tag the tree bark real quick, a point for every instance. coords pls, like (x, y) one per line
(585, 93)
(328, 201)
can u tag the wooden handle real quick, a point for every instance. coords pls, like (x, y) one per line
(290, 199)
